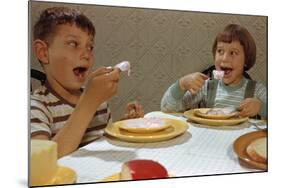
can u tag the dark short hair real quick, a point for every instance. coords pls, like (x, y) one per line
(234, 32)
(52, 17)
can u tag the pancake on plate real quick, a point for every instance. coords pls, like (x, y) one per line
(216, 113)
(144, 125)
(257, 150)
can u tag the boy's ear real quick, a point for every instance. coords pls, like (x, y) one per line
(40, 49)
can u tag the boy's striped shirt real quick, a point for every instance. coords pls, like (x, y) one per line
(49, 112)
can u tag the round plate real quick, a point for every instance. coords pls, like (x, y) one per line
(64, 175)
(123, 125)
(117, 177)
(201, 112)
(113, 177)
(176, 128)
(214, 122)
(241, 143)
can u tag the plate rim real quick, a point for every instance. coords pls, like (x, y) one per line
(247, 159)
(183, 126)
(63, 176)
(112, 177)
(117, 177)
(213, 122)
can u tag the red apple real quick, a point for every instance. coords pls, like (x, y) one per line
(143, 169)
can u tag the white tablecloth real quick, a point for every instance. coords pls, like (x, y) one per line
(201, 150)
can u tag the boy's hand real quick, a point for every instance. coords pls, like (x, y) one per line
(192, 82)
(101, 85)
(133, 110)
(100, 71)
(250, 107)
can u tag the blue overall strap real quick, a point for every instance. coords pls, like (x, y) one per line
(249, 93)
(250, 89)
(211, 93)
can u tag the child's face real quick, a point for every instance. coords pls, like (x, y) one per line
(70, 57)
(230, 58)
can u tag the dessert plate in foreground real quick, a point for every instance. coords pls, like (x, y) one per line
(214, 122)
(176, 127)
(241, 145)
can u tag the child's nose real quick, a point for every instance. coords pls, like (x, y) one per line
(225, 57)
(86, 54)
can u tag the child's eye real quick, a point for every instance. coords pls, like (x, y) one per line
(234, 53)
(90, 48)
(220, 51)
(73, 43)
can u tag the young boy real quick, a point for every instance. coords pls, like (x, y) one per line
(234, 52)
(63, 43)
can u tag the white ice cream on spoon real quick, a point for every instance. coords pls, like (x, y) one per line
(218, 74)
(124, 66)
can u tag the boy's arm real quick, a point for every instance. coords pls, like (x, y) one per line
(98, 89)
(70, 136)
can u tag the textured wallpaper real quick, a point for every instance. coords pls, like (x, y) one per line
(162, 45)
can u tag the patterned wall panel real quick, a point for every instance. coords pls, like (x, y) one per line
(161, 45)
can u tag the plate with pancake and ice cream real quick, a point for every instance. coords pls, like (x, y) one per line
(150, 129)
(215, 116)
(251, 148)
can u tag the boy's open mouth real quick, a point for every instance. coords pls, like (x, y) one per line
(226, 70)
(80, 71)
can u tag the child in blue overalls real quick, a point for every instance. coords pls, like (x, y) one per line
(234, 52)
